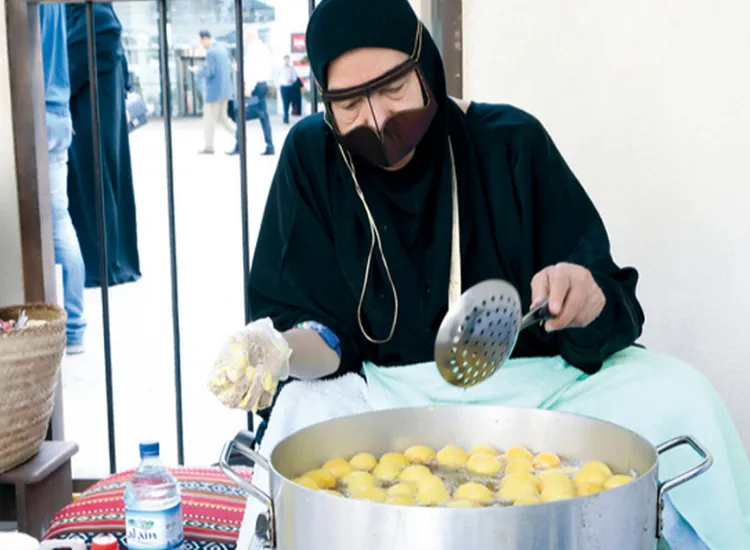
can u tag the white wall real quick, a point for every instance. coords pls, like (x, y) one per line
(11, 275)
(649, 102)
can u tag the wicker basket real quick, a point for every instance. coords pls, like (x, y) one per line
(29, 364)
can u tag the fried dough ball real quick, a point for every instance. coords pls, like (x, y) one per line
(475, 492)
(363, 461)
(617, 481)
(452, 456)
(586, 489)
(358, 481)
(519, 452)
(306, 482)
(518, 490)
(432, 495)
(401, 500)
(322, 478)
(484, 464)
(483, 450)
(386, 471)
(414, 473)
(552, 478)
(520, 476)
(338, 467)
(402, 489)
(419, 454)
(546, 461)
(519, 465)
(557, 489)
(395, 459)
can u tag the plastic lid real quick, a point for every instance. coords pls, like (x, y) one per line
(105, 542)
(149, 448)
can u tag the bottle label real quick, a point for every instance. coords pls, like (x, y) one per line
(157, 530)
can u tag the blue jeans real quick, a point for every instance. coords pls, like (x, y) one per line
(256, 107)
(67, 249)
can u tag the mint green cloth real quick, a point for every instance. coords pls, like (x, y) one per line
(654, 395)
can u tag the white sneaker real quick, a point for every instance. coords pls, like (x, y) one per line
(76, 349)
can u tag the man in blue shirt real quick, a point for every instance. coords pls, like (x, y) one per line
(217, 72)
(59, 136)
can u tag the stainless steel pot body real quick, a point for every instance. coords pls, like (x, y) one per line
(625, 518)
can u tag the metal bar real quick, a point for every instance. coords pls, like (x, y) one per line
(313, 87)
(242, 144)
(102, 229)
(166, 94)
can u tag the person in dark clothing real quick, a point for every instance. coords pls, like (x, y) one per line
(119, 200)
(397, 198)
(287, 79)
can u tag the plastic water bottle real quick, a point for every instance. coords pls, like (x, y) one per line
(153, 506)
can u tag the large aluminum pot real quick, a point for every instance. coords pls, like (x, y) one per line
(625, 518)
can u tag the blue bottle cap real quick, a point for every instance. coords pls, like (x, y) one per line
(149, 448)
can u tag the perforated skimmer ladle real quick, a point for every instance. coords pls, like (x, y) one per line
(480, 331)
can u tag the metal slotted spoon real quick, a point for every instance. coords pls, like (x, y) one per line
(480, 331)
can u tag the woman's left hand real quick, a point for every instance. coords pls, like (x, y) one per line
(575, 300)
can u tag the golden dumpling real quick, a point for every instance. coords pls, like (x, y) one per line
(452, 456)
(558, 490)
(401, 500)
(519, 465)
(306, 482)
(414, 473)
(322, 478)
(338, 467)
(546, 460)
(461, 504)
(332, 493)
(484, 464)
(586, 489)
(363, 461)
(476, 492)
(482, 450)
(527, 501)
(597, 466)
(402, 489)
(359, 479)
(429, 481)
(432, 495)
(519, 452)
(374, 494)
(395, 459)
(520, 476)
(419, 454)
(617, 481)
(592, 476)
(386, 471)
(518, 490)
(551, 478)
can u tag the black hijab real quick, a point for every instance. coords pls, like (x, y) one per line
(314, 241)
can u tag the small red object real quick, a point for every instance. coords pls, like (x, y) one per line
(105, 542)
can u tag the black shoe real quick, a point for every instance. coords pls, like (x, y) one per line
(268, 152)
(234, 151)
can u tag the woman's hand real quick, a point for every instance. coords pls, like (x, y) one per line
(250, 366)
(575, 300)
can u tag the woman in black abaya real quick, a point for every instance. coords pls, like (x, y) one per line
(353, 265)
(119, 199)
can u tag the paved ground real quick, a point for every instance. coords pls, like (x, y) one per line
(209, 252)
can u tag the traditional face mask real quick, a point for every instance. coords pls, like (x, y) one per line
(400, 133)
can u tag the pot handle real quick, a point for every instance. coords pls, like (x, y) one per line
(676, 481)
(242, 443)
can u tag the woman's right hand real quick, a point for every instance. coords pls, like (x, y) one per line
(250, 366)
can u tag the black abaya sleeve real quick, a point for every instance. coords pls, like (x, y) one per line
(295, 274)
(568, 228)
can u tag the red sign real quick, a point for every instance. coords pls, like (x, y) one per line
(299, 45)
